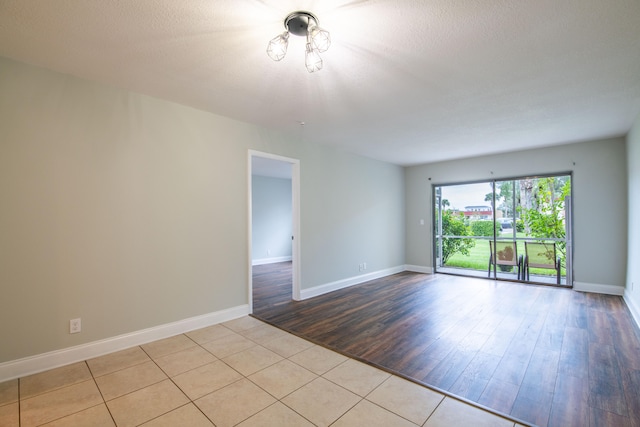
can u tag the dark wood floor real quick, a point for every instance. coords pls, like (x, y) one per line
(548, 356)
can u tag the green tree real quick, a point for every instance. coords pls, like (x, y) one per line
(545, 219)
(504, 198)
(453, 225)
(526, 199)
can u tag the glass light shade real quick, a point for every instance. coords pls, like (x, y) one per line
(320, 38)
(277, 47)
(312, 59)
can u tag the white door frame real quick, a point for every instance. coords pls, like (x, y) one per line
(295, 214)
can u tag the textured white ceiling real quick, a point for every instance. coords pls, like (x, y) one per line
(405, 81)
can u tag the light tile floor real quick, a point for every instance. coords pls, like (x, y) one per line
(243, 372)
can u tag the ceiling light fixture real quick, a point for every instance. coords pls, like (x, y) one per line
(302, 23)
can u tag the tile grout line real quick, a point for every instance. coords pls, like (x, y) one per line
(104, 401)
(435, 409)
(388, 410)
(19, 405)
(279, 400)
(190, 401)
(361, 398)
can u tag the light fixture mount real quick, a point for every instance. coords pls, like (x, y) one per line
(298, 22)
(301, 23)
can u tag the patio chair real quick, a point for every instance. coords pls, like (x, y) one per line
(541, 255)
(506, 253)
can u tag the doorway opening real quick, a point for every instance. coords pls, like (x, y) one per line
(515, 229)
(274, 224)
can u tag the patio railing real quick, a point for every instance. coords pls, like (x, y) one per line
(476, 262)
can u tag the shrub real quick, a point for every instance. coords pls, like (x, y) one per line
(482, 228)
(453, 225)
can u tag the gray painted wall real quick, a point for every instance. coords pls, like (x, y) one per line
(271, 217)
(355, 209)
(632, 292)
(132, 212)
(599, 201)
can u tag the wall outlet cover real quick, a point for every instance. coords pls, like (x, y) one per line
(75, 326)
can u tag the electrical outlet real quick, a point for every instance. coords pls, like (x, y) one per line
(75, 326)
(364, 266)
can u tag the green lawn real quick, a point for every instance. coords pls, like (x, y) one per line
(478, 258)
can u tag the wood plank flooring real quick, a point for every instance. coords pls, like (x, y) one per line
(548, 356)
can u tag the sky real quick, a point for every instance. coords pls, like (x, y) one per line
(460, 196)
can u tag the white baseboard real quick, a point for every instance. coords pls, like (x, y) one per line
(598, 289)
(273, 260)
(53, 359)
(633, 307)
(418, 269)
(345, 283)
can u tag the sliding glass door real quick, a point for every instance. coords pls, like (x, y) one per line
(465, 224)
(514, 229)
